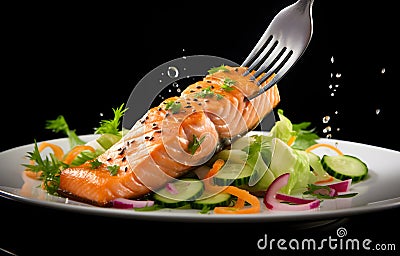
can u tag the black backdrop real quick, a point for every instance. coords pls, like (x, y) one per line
(80, 61)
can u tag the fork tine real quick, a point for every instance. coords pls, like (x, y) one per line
(273, 68)
(278, 66)
(262, 57)
(260, 46)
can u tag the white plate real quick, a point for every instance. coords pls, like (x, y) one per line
(379, 191)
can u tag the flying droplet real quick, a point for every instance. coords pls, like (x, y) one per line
(173, 72)
(326, 119)
(327, 129)
(332, 59)
(338, 75)
(377, 111)
(383, 70)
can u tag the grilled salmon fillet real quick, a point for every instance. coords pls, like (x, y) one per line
(169, 140)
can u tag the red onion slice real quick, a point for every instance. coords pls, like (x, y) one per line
(341, 186)
(292, 199)
(272, 203)
(123, 203)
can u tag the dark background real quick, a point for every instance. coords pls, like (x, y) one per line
(80, 61)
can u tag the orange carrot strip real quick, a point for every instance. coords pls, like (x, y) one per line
(215, 168)
(329, 179)
(75, 152)
(241, 194)
(239, 203)
(291, 140)
(58, 153)
(57, 150)
(324, 145)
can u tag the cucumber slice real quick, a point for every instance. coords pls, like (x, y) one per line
(345, 167)
(179, 193)
(220, 199)
(233, 174)
(106, 140)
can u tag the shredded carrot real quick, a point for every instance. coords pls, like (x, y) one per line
(58, 153)
(324, 145)
(76, 151)
(57, 150)
(291, 140)
(215, 168)
(239, 203)
(243, 196)
(329, 179)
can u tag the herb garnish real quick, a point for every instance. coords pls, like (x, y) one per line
(95, 164)
(60, 125)
(174, 106)
(113, 169)
(227, 85)
(216, 69)
(206, 92)
(49, 167)
(112, 126)
(325, 192)
(195, 144)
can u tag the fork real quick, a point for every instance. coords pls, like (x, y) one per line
(281, 45)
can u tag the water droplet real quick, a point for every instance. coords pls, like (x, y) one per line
(178, 90)
(160, 81)
(184, 57)
(101, 114)
(183, 50)
(332, 94)
(336, 112)
(326, 119)
(332, 59)
(336, 85)
(331, 75)
(173, 72)
(337, 129)
(383, 70)
(338, 75)
(327, 129)
(330, 86)
(175, 84)
(329, 136)
(377, 111)
(169, 90)
(162, 73)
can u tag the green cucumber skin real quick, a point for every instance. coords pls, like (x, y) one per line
(171, 203)
(342, 175)
(241, 179)
(168, 203)
(231, 182)
(212, 202)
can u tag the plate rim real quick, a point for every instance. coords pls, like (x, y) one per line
(209, 218)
